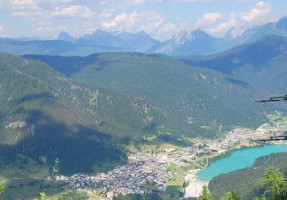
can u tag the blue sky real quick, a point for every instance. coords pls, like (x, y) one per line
(159, 18)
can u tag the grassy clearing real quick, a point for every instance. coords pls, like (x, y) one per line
(173, 189)
(25, 179)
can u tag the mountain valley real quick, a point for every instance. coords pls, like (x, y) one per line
(195, 101)
(120, 115)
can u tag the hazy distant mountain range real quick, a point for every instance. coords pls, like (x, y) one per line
(186, 42)
(191, 42)
(198, 42)
(258, 32)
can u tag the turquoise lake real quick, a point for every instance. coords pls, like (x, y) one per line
(238, 160)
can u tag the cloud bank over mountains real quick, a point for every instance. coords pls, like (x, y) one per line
(159, 18)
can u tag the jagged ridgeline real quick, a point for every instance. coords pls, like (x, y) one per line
(45, 114)
(194, 101)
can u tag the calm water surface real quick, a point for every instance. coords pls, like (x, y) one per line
(239, 159)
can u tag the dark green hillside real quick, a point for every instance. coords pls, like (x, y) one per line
(245, 182)
(262, 63)
(195, 101)
(45, 114)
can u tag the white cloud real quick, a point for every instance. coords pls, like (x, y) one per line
(116, 21)
(1, 28)
(80, 16)
(53, 8)
(104, 13)
(13, 5)
(73, 11)
(134, 21)
(165, 31)
(44, 29)
(131, 3)
(21, 8)
(49, 29)
(123, 3)
(260, 9)
(167, 27)
(27, 13)
(135, 2)
(44, 23)
(24, 4)
(241, 19)
(223, 27)
(153, 22)
(209, 18)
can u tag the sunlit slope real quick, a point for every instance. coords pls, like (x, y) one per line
(43, 113)
(195, 101)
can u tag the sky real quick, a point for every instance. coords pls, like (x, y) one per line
(159, 18)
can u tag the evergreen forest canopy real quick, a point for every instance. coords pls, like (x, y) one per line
(47, 114)
(44, 114)
(195, 101)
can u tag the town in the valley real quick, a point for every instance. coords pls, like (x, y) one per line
(147, 167)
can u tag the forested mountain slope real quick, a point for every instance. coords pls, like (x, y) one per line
(262, 63)
(195, 101)
(43, 113)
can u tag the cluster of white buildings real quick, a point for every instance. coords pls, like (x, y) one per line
(125, 179)
(147, 167)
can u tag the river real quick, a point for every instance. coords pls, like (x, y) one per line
(238, 160)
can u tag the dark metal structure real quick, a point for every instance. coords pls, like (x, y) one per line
(271, 99)
(274, 98)
(274, 138)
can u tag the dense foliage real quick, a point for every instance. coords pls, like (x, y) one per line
(148, 196)
(194, 101)
(275, 184)
(205, 194)
(45, 115)
(2, 189)
(73, 196)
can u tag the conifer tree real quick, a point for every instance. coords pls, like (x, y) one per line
(275, 184)
(230, 196)
(205, 194)
(2, 189)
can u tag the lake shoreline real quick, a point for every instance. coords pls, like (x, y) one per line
(194, 189)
